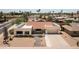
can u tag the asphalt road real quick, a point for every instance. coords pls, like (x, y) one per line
(6, 24)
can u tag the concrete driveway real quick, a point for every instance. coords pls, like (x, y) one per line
(55, 41)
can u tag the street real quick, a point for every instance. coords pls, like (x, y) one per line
(7, 24)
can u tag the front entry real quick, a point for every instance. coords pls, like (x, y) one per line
(37, 31)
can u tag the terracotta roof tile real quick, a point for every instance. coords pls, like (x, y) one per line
(39, 25)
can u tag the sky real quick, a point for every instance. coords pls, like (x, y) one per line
(42, 10)
(45, 5)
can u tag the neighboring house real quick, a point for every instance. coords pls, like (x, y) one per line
(60, 20)
(70, 19)
(72, 29)
(30, 28)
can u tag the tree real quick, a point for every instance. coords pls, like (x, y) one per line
(12, 13)
(72, 14)
(19, 11)
(0, 17)
(67, 22)
(25, 16)
(40, 16)
(30, 13)
(20, 20)
(5, 19)
(53, 12)
(61, 12)
(38, 12)
(49, 18)
(1, 14)
(78, 14)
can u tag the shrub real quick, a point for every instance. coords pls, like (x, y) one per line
(19, 20)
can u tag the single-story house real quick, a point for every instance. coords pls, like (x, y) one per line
(30, 28)
(72, 29)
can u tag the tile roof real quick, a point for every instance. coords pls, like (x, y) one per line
(72, 27)
(39, 25)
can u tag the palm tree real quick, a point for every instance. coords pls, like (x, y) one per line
(1, 14)
(5, 19)
(49, 18)
(72, 14)
(78, 14)
(30, 13)
(53, 12)
(11, 13)
(19, 11)
(61, 12)
(49, 12)
(38, 12)
(25, 16)
(0, 17)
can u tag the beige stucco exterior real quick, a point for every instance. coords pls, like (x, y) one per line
(47, 27)
(23, 30)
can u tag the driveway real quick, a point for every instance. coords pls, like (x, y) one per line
(55, 41)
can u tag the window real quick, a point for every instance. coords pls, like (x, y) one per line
(76, 32)
(38, 29)
(26, 32)
(19, 32)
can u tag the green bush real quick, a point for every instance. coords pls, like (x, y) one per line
(68, 21)
(49, 18)
(20, 20)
